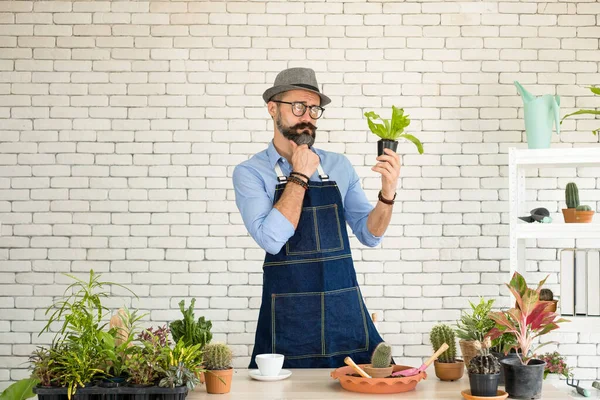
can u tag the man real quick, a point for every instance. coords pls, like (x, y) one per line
(295, 201)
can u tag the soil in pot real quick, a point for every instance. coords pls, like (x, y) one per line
(484, 385)
(523, 381)
(386, 144)
(449, 371)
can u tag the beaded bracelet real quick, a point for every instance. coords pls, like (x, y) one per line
(298, 181)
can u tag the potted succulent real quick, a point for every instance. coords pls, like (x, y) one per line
(381, 362)
(484, 371)
(391, 130)
(217, 360)
(447, 366)
(527, 322)
(473, 327)
(575, 213)
(191, 331)
(595, 90)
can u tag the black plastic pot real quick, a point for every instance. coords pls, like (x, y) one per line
(523, 381)
(386, 144)
(114, 393)
(485, 385)
(501, 356)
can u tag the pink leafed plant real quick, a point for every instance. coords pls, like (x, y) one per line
(528, 320)
(555, 364)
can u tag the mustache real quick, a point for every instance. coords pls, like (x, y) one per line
(304, 125)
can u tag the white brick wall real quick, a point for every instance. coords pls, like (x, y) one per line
(121, 122)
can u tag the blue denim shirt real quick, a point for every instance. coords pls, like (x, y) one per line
(254, 182)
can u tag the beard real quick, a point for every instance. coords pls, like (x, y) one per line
(301, 133)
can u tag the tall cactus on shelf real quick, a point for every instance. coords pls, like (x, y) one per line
(439, 335)
(572, 195)
(382, 356)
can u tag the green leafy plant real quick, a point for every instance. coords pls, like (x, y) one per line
(392, 129)
(529, 320)
(596, 91)
(505, 341)
(188, 329)
(179, 375)
(382, 356)
(439, 335)
(41, 360)
(189, 356)
(477, 324)
(20, 390)
(141, 366)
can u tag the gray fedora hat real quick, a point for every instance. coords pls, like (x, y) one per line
(294, 79)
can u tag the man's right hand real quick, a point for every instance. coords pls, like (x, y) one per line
(304, 160)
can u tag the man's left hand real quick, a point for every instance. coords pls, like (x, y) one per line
(389, 168)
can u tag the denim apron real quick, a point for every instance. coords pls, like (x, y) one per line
(312, 309)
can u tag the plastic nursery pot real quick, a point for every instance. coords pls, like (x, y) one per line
(484, 385)
(449, 371)
(386, 144)
(523, 381)
(502, 356)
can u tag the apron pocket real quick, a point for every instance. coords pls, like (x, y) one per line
(318, 231)
(346, 328)
(297, 329)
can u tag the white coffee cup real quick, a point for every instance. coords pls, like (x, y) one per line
(269, 364)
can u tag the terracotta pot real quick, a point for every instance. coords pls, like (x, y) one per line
(569, 215)
(378, 372)
(584, 216)
(551, 305)
(214, 385)
(449, 371)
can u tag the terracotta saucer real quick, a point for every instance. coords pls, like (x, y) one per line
(357, 383)
(500, 395)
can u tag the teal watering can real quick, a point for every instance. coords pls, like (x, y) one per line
(540, 114)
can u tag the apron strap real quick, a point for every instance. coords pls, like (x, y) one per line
(281, 178)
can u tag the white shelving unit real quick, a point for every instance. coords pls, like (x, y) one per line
(519, 161)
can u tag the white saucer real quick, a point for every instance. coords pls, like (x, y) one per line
(283, 374)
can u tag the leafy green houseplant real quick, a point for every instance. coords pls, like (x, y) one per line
(447, 367)
(188, 329)
(390, 130)
(473, 327)
(527, 321)
(218, 362)
(596, 91)
(574, 211)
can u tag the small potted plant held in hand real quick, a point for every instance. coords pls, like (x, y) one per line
(381, 360)
(574, 211)
(217, 360)
(447, 367)
(484, 371)
(391, 130)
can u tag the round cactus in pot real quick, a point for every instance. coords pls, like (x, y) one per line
(217, 360)
(381, 361)
(484, 371)
(447, 367)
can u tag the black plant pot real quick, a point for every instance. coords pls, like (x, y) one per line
(386, 144)
(141, 394)
(501, 356)
(485, 385)
(523, 381)
(51, 393)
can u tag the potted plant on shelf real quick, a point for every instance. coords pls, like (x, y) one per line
(391, 130)
(547, 296)
(575, 212)
(447, 367)
(217, 361)
(191, 331)
(484, 371)
(381, 362)
(473, 327)
(529, 320)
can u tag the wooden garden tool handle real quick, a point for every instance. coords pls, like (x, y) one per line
(442, 349)
(350, 362)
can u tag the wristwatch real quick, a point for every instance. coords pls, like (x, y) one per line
(386, 201)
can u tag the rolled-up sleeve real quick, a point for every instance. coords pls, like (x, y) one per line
(267, 225)
(357, 209)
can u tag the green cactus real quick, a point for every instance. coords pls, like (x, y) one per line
(382, 356)
(439, 335)
(572, 195)
(583, 208)
(484, 362)
(217, 356)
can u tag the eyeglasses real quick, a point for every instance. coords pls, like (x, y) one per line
(298, 109)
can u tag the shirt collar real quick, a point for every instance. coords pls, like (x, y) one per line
(274, 156)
